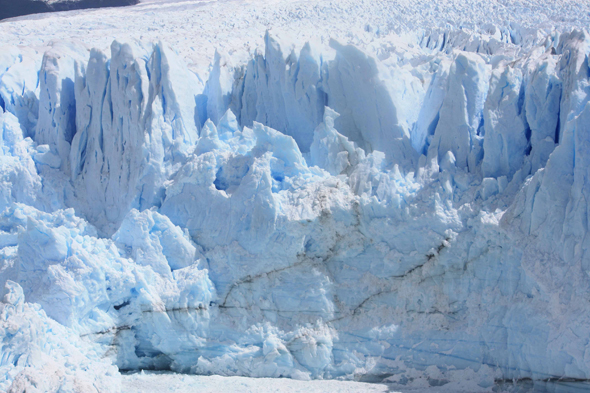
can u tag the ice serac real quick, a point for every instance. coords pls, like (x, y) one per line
(370, 111)
(287, 89)
(505, 142)
(120, 136)
(553, 204)
(19, 84)
(57, 110)
(461, 114)
(543, 97)
(135, 122)
(416, 214)
(283, 90)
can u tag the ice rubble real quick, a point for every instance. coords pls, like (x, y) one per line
(316, 212)
(38, 352)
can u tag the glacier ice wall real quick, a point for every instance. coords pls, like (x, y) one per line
(27, 7)
(417, 215)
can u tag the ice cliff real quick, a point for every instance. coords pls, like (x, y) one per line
(417, 214)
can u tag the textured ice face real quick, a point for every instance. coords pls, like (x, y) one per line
(39, 354)
(318, 212)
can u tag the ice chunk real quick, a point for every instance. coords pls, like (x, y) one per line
(228, 125)
(331, 150)
(209, 139)
(20, 180)
(155, 241)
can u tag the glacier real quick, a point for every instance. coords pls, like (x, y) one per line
(416, 214)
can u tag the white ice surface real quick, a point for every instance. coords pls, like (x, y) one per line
(162, 382)
(149, 382)
(357, 190)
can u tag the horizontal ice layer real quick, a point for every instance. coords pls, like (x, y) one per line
(313, 213)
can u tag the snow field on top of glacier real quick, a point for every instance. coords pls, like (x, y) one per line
(358, 190)
(198, 28)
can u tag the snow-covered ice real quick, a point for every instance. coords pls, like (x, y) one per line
(366, 191)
